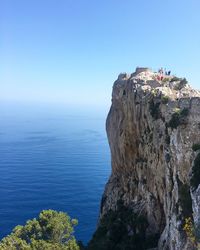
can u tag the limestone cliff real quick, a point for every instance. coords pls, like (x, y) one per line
(153, 129)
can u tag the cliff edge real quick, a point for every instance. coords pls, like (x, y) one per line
(153, 129)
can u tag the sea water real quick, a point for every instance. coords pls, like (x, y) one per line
(52, 158)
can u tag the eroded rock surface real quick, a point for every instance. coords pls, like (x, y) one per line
(152, 126)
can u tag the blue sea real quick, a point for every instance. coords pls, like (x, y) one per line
(52, 158)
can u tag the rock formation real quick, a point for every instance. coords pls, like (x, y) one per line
(153, 129)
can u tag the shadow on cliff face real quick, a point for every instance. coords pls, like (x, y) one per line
(123, 229)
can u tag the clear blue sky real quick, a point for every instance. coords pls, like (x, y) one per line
(70, 52)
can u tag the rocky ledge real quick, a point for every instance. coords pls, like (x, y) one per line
(153, 129)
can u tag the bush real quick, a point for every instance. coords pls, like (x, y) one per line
(196, 147)
(178, 118)
(181, 84)
(175, 121)
(185, 199)
(122, 229)
(175, 79)
(164, 99)
(184, 112)
(190, 231)
(165, 80)
(167, 139)
(51, 230)
(195, 179)
(154, 109)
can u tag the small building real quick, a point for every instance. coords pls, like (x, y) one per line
(142, 69)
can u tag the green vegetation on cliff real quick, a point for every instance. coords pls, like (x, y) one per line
(195, 179)
(122, 229)
(52, 230)
(178, 118)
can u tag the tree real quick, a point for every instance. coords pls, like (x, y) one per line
(52, 230)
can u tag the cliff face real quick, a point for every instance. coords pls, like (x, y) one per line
(152, 127)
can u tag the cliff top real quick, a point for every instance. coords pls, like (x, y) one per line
(170, 85)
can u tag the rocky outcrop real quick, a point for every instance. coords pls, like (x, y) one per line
(152, 127)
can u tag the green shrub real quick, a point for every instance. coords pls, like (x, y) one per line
(178, 118)
(184, 112)
(167, 139)
(175, 121)
(122, 229)
(154, 109)
(184, 81)
(165, 80)
(51, 230)
(185, 199)
(196, 147)
(195, 179)
(164, 99)
(181, 84)
(175, 79)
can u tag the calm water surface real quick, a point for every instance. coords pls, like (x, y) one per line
(52, 159)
